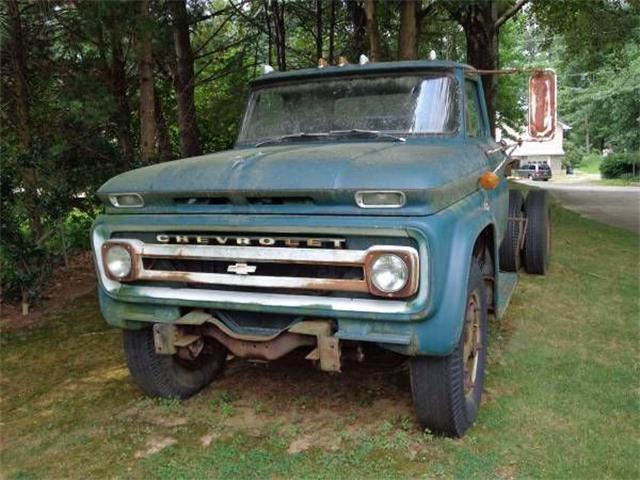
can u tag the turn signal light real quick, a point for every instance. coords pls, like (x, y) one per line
(489, 180)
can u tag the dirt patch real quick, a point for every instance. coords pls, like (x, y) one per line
(155, 445)
(311, 408)
(207, 440)
(300, 444)
(65, 285)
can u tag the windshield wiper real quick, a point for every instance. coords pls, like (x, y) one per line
(353, 133)
(357, 132)
(292, 136)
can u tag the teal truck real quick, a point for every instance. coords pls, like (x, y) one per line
(362, 204)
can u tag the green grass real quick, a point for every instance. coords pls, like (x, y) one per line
(561, 397)
(590, 163)
(620, 182)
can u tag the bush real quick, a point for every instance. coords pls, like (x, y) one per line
(77, 226)
(573, 156)
(618, 165)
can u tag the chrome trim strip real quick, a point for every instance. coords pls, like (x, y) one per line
(262, 254)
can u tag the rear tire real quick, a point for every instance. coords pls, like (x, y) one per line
(510, 246)
(169, 376)
(537, 242)
(447, 390)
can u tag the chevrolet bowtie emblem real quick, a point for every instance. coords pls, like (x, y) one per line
(241, 269)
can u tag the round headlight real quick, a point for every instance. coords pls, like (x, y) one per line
(118, 261)
(389, 273)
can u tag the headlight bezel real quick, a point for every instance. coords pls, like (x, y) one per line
(106, 247)
(411, 261)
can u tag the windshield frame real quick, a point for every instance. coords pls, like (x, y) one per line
(452, 75)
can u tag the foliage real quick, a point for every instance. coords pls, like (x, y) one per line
(574, 155)
(620, 165)
(598, 68)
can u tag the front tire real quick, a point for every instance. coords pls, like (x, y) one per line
(447, 390)
(169, 376)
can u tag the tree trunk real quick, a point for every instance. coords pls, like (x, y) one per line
(359, 22)
(332, 32)
(372, 30)
(18, 64)
(481, 34)
(408, 44)
(319, 29)
(122, 115)
(185, 80)
(269, 35)
(164, 141)
(147, 96)
(277, 13)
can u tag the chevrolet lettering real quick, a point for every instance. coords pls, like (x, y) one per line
(291, 242)
(363, 208)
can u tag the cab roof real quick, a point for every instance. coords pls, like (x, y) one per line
(357, 69)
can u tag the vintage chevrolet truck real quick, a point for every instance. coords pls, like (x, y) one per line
(362, 204)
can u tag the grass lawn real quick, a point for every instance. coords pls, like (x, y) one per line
(590, 163)
(561, 398)
(620, 182)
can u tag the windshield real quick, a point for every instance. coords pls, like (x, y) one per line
(403, 105)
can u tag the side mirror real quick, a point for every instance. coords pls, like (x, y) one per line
(542, 105)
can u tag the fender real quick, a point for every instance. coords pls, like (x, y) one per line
(439, 334)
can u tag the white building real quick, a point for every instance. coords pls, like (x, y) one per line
(550, 151)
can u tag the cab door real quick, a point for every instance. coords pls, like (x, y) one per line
(477, 131)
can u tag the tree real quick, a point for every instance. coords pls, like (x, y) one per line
(184, 80)
(481, 21)
(372, 30)
(148, 99)
(277, 14)
(409, 30)
(17, 48)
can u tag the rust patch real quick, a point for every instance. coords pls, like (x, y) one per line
(268, 350)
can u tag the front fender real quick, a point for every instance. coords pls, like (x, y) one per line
(464, 222)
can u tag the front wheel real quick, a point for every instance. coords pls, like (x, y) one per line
(171, 376)
(447, 390)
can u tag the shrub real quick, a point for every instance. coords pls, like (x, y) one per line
(574, 155)
(618, 165)
(76, 227)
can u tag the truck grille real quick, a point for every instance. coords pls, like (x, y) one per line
(270, 269)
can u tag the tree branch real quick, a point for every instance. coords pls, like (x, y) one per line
(510, 12)
(427, 10)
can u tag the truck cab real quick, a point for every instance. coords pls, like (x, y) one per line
(362, 204)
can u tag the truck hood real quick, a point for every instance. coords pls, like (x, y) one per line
(322, 177)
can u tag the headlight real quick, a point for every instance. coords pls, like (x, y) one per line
(117, 260)
(389, 273)
(126, 200)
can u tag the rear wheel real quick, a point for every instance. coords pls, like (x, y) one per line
(510, 247)
(171, 376)
(447, 390)
(537, 242)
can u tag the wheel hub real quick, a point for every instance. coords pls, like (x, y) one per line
(471, 342)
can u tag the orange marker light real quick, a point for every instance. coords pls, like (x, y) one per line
(489, 180)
